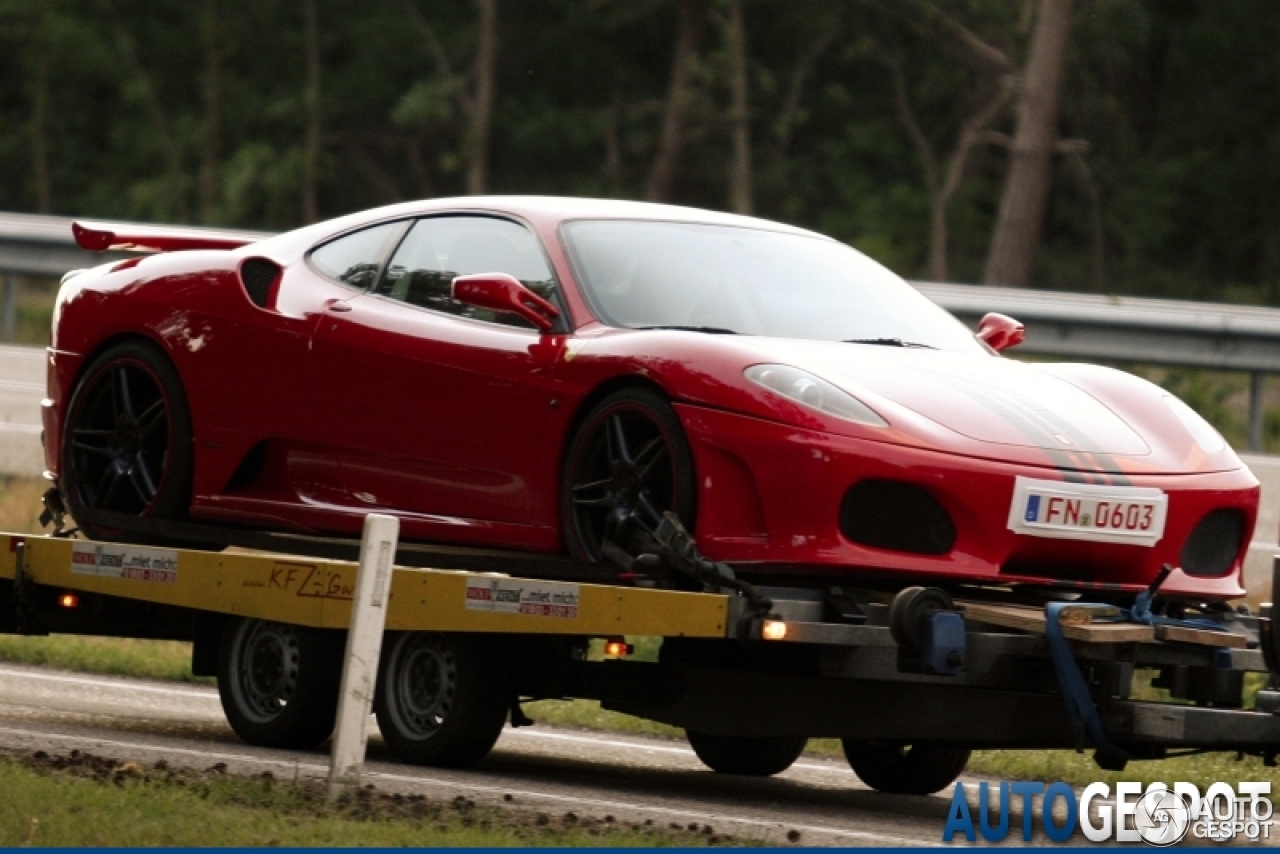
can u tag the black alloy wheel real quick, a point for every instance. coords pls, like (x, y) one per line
(628, 463)
(127, 439)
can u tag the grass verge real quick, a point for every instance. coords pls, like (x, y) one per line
(84, 800)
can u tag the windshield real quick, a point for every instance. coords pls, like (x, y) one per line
(639, 273)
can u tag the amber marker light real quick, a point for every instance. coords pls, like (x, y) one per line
(773, 630)
(618, 648)
(68, 600)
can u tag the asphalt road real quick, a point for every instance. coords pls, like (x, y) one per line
(21, 387)
(542, 769)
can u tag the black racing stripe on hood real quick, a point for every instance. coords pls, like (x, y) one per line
(1075, 465)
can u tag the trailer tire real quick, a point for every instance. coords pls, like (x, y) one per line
(760, 756)
(905, 769)
(442, 699)
(279, 683)
(909, 614)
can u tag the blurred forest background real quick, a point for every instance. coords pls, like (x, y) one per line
(895, 125)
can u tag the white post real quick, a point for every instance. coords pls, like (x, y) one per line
(364, 643)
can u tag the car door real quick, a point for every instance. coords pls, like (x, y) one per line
(444, 403)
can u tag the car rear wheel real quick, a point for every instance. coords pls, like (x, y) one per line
(126, 443)
(753, 757)
(628, 463)
(905, 769)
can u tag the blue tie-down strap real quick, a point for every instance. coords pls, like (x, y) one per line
(1081, 710)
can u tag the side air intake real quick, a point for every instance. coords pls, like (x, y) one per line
(903, 517)
(1211, 550)
(257, 275)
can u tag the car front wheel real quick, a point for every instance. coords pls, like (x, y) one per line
(627, 464)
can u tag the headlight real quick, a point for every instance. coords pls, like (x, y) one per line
(816, 393)
(1209, 439)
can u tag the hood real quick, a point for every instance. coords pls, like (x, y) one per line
(983, 398)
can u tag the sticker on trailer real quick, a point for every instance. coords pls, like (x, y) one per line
(512, 596)
(135, 563)
(1075, 511)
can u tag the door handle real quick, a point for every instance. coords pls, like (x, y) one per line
(337, 305)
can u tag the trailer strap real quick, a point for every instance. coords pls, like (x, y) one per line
(1081, 710)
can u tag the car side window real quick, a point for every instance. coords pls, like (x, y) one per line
(439, 249)
(353, 259)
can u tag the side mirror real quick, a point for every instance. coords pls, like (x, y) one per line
(500, 292)
(1000, 332)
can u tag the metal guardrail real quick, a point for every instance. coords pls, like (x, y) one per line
(1133, 329)
(1065, 325)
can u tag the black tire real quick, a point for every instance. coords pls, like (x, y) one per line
(442, 699)
(607, 484)
(910, 612)
(753, 757)
(279, 683)
(126, 440)
(905, 769)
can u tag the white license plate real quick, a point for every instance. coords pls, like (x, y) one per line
(1076, 511)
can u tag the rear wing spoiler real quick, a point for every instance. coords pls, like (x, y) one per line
(104, 236)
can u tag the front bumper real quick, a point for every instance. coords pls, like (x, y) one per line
(769, 499)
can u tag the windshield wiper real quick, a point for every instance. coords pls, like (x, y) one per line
(889, 342)
(711, 330)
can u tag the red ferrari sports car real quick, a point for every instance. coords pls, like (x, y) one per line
(541, 373)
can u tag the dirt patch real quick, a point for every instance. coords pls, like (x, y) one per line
(304, 799)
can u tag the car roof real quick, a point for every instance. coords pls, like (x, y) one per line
(573, 208)
(542, 209)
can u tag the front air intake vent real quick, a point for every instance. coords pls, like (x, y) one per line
(257, 275)
(890, 514)
(1211, 550)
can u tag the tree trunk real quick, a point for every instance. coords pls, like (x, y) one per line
(155, 114)
(613, 119)
(40, 124)
(482, 102)
(662, 172)
(209, 195)
(311, 106)
(740, 170)
(785, 122)
(1026, 190)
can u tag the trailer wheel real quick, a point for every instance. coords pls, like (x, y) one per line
(126, 444)
(279, 683)
(442, 699)
(910, 611)
(753, 757)
(905, 769)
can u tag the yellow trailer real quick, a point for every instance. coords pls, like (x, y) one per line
(910, 685)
